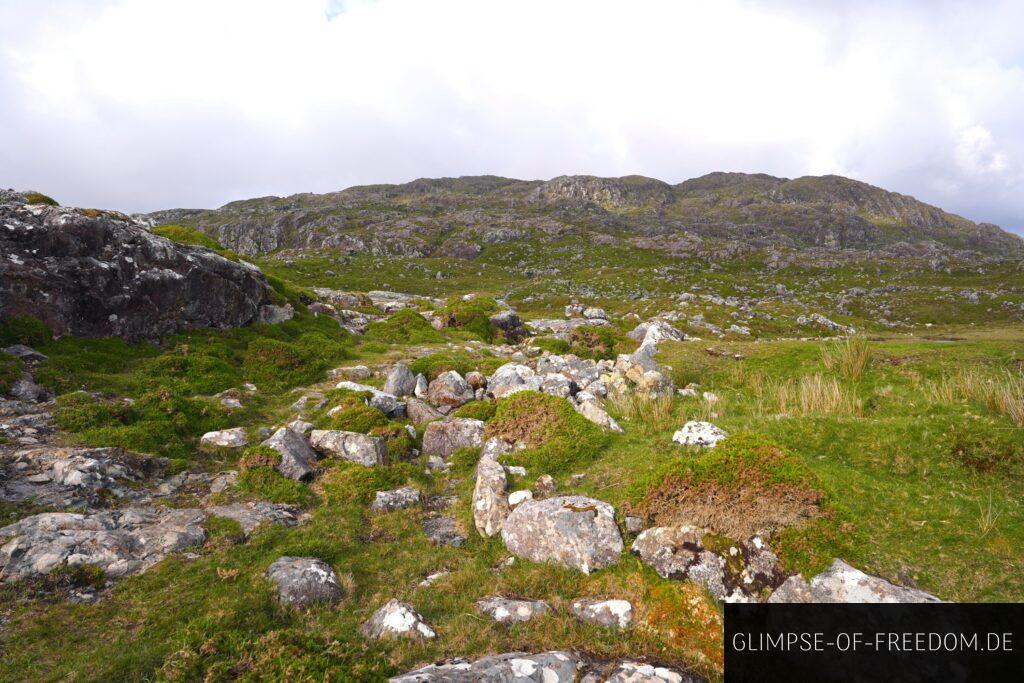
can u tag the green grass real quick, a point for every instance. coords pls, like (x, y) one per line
(403, 327)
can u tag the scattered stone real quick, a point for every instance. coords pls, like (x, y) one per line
(510, 611)
(594, 313)
(612, 613)
(352, 446)
(300, 426)
(490, 506)
(575, 531)
(397, 499)
(634, 525)
(545, 486)
(445, 437)
(593, 411)
(702, 434)
(303, 581)
(25, 353)
(225, 438)
(396, 620)
(298, 460)
(518, 497)
(273, 315)
(444, 530)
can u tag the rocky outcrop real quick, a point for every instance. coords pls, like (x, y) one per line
(303, 581)
(490, 504)
(396, 499)
(99, 273)
(575, 531)
(843, 583)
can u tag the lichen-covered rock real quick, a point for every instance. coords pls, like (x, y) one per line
(444, 530)
(225, 438)
(250, 516)
(655, 331)
(449, 391)
(593, 411)
(702, 434)
(490, 505)
(100, 273)
(420, 411)
(575, 531)
(512, 377)
(298, 460)
(677, 553)
(396, 620)
(843, 583)
(639, 672)
(447, 436)
(612, 613)
(793, 589)
(400, 381)
(397, 499)
(120, 542)
(352, 446)
(513, 667)
(511, 611)
(303, 581)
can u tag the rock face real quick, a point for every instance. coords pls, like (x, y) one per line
(702, 434)
(420, 411)
(120, 542)
(843, 583)
(396, 620)
(490, 504)
(351, 446)
(99, 273)
(575, 531)
(509, 611)
(298, 461)
(445, 437)
(303, 581)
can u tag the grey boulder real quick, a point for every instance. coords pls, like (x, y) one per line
(449, 391)
(574, 531)
(400, 381)
(298, 460)
(397, 620)
(445, 437)
(396, 499)
(352, 446)
(303, 581)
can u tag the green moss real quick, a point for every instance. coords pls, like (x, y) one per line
(557, 437)
(266, 483)
(403, 327)
(477, 410)
(24, 329)
(473, 315)
(461, 362)
(184, 235)
(40, 198)
(10, 371)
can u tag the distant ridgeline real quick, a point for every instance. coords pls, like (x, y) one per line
(722, 215)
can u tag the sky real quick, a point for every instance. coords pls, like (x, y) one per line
(140, 105)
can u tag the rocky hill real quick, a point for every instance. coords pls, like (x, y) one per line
(719, 213)
(98, 273)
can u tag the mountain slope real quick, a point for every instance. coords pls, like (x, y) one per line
(457, 217)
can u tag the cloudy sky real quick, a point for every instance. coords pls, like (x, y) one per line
(146, 104)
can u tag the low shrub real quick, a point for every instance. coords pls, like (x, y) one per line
(266, 483)
(10, 371)
(477, 410)
(259, 456)
(24, 329)
(461, 362)
(40, 198)
(403, 327)
(557, 438)
(551, 344)
(473, 315)
(597, 343)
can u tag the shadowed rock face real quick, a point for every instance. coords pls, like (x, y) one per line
(95, 273)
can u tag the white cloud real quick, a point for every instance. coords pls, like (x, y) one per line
(143, 104)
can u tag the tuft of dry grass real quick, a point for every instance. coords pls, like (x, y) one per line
(650, 414)
(848, 358)
(1002, 392)
(810, 395)
(988, 517)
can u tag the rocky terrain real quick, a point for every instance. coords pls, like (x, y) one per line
(290, 479)
(724, 214)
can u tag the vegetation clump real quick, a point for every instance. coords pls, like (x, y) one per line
(40, 198)
(24, 329)
(556, 437)
(183, 235)
(593, 342)
(477, 410)
(435, 364)
(403, 327)
(473, 315)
